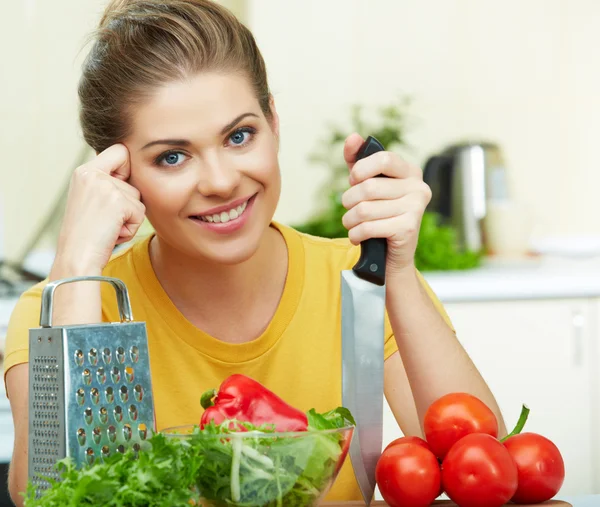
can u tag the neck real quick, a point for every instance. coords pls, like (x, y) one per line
(203, 291)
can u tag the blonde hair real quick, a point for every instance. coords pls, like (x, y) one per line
(142, 44)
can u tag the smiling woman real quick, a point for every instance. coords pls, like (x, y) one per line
(175, 101)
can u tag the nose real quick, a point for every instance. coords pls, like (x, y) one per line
(217, 177)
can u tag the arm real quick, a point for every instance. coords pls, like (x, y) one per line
(76, 303)
(103, 210)
(433, 361)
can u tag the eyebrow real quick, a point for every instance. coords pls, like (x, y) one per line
(185, 142)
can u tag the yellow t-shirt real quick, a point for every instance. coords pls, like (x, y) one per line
(298, 356)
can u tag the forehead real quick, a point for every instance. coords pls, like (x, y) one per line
(199, 105)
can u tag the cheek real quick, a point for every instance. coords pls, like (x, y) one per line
(162, 193)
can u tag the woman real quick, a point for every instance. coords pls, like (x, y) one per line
(175, 102)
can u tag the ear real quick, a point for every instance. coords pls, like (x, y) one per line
(274, 121)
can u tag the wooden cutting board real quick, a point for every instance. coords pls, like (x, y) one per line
(448, 503)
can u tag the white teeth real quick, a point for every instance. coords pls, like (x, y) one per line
(225, 216)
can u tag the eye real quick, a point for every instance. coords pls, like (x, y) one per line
(171, 159)
(242, 136)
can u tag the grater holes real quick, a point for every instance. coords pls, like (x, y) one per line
(103, 413)
(136, 449)
(127, 432)
(88, 416)
(133, 412)
(109, 394)
(105, 451)
(81, 436)
(124, 394)
(120, 355)
(87, 377)
(93, 357)
(142, 431)
(95, 395)
(115, 375)
(79, 357)
(89, 456)
(129, 374)
(138, 393)
(121, 449)
(112, 433)
(134, 353)
(106, 356)
(118, 413)
(80, 396)
(97, 434)
(101, 375)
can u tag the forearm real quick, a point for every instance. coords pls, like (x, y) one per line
(77, 302)
(434, 360)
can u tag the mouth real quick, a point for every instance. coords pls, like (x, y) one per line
(227, 215)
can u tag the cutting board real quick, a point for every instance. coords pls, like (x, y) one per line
(448, 503)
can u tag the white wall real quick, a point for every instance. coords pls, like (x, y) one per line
(522, 73)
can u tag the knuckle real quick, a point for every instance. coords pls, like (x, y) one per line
(370, 188)
(362, 211)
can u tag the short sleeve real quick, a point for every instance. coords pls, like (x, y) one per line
(26, 315)
(390, 346)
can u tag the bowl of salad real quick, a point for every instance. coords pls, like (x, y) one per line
(250, 448)
(243, 465)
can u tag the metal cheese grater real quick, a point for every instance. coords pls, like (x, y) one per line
(90, 392)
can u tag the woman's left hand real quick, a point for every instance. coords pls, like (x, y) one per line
(390, 208)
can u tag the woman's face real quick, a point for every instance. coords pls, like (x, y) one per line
(204, 159)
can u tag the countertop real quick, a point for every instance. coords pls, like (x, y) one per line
(527, 278)
(577, 501)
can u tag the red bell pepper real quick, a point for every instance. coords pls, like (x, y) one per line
(246, 400)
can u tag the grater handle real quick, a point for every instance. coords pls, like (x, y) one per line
(120, 288)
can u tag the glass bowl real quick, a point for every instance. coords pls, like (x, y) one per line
(255, 468)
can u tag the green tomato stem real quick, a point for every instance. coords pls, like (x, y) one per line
(520, 423)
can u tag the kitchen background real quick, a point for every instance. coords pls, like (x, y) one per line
(521, 74)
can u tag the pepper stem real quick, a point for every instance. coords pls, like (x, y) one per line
(206, 400)
(520, 423)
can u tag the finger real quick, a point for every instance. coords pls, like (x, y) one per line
(351, 146)
(367, 211)
(114, 161)
(383, 162)
(127, 189)
(403, 226)
(374, 189)
(134, 217)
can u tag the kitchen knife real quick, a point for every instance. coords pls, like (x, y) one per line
(363, 313)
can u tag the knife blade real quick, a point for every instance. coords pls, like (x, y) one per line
(363, 314)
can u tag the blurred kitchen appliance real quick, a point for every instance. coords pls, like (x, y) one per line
(462, 179)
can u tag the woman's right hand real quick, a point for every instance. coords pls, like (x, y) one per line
(102, 211)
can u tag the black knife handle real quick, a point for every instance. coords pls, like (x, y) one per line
(371, 264)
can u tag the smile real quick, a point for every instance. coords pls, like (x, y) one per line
(225, 216)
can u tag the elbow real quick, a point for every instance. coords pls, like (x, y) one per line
(16, 487)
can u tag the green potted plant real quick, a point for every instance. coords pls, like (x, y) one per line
(437, 248)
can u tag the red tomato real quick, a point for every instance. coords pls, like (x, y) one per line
(454, 416)
(540, 466)
(408, 475)
(409, 440)
(479, 472)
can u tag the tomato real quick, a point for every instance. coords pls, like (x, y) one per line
(478, 471)
(540, 466)
(454, 416)
(408, 475)
(409, 440)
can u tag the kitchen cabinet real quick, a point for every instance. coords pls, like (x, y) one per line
(544, 353)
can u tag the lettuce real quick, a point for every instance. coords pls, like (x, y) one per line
(216, 464)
